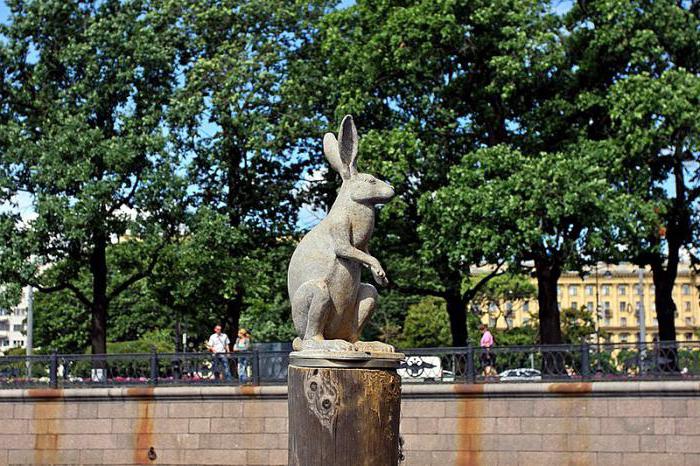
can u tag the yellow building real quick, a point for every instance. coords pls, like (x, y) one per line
(614, 290)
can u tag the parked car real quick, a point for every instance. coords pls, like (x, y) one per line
(521, 374)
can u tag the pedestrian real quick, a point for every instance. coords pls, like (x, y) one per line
(219, 345)
(486, 355)
(243, 343)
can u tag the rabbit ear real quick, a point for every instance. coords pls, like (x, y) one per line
(330, 148)
(347, 144)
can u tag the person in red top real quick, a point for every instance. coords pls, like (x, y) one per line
(486, 355)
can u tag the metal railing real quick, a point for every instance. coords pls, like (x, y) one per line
(619, 361)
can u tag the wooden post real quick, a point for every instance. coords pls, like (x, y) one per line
(344, 412)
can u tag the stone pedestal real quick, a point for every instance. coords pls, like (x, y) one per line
(344, 411)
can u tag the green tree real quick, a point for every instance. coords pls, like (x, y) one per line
(427, 83)
(233, 122)
(637, 66)
(426, 325)
(501, 296)
(548, 209)
(85, 88)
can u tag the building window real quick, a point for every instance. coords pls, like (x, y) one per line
(4, 342)
(688, 337)
(652, 289)
(624, 337)
(589, 290)
(606, 305)
(574, 304)
(526, 306)
(605, 290)
(492, 322)
(685, 289)
(573, 290)
(558, 290)
(623, 306)
(638, 290)
(526, 320)
(622, 290)
(689, 321)
(589, 306)
(687, 305)
(559, 305)
(4, 326)
(623, 321)
(17, 327)
(656, 322)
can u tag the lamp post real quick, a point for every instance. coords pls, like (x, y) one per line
(642, 316)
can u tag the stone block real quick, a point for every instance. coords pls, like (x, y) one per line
(88, 411)
(265, 409)
(278, 457)
(410, 425)
(610, 459)
(8, 441)
(423, 409)
(554, 442)
(177, 441)
(674, 408)
(557, 458)
(44, 457)
(91, 456)
(635, 459)
(435, 442)
(276, 425)
(652, 443)
(605, 443)
(83, 441)
(191, 410)
(15, 426)
(428, 425)
(234, 409)
(687, 426)
(218, 457)
(199, 426)
(225, 425)
(663, 426)
(467, 425)
(683, 444)
(254, 425)
(258, 457)
(624, 407)
(508, 425)
(81, 426)
(627, 425)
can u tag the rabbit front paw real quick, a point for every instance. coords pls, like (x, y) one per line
(379, 275)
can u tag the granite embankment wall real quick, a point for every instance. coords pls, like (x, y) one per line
(609, 423)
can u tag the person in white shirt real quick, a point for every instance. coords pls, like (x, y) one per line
(219, 344)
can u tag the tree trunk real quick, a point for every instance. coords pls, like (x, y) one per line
(458, 319)
(234, 307)
(548, 274)
(665, 314)
(98, 268)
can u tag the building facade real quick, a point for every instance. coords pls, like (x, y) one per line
(13, 325)
(614, 290)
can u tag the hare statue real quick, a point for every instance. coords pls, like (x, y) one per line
(329, 303)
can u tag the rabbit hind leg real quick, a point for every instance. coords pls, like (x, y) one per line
(311, 308)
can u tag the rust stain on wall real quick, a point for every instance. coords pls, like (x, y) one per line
(571, 389)
(470, 412)
(143, 433)
(46, 419)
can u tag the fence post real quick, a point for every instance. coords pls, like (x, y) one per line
(256, 367)
(471, 369)
(154, 366)
(585, 360)
(53, 369)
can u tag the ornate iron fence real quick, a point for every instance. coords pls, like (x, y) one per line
(619, 361)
